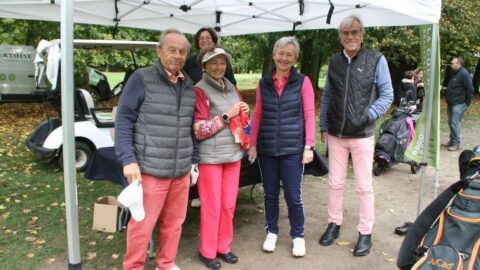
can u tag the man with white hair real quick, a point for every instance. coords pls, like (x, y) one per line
(358, 90)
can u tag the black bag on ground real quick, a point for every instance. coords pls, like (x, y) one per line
(393, 138)
(453, 241)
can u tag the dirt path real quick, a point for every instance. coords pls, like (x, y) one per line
(396, 197)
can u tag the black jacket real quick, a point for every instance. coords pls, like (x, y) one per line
(460, 88)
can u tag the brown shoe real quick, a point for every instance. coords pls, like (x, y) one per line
(448, 144)
(454, 147)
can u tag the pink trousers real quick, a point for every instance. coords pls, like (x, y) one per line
(218, 189)
(164, 200)
(361, 150)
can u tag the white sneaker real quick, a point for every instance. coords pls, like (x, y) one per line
(269, 243)
(298, 247)
(195, 203)
(173, 268)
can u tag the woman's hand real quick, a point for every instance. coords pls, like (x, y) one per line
(233, 110)
(132, 172)
(307, 156)
(244, 107)
(252, 154)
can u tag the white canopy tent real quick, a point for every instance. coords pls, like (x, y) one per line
(229, 17)
(232, 17)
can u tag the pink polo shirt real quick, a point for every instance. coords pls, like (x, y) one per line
(308, 99)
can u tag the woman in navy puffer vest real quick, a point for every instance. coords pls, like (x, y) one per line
(283, 136)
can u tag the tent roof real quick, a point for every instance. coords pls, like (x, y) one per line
(232, 17)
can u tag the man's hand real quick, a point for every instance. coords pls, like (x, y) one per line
(132, 172)
(252, 154)
(307, 156)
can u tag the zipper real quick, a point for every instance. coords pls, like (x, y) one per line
(345, 99)
(279, 99)
(178, 131)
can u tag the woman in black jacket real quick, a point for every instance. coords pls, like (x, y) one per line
(204, 38)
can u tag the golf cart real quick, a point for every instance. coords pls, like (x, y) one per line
(93, 126)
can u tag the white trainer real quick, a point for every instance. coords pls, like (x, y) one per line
(270, 242)
(298, 247)
(196, 203)
(173, 268)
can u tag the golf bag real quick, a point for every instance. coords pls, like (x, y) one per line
(446, 235)
(395, 135)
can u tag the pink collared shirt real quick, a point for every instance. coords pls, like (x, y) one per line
(308, 99)
(174, 78)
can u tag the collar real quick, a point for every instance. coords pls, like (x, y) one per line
(174, 78)
(348, 57)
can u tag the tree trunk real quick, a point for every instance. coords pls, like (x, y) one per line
(476, 77)
(267, 61)
(311, 60)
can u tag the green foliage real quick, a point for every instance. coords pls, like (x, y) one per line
(459, 32)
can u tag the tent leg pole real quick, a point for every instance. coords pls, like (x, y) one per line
(432, 65)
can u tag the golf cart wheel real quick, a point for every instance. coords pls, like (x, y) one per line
(415, 168)
(83, 154)
(377, 168)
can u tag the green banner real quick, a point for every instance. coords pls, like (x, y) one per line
(415, 149)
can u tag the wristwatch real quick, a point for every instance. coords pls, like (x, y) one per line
(310, 147)
(225, 118)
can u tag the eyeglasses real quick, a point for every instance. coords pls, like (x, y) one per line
(353, 33)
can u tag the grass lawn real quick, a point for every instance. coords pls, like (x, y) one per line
(245, 81)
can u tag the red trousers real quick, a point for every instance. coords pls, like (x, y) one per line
(164, 200)
(218, 189)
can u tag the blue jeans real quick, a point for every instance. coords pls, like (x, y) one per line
(289, 169)
(455, 115)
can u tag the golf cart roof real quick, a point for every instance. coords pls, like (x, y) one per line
(112, 44)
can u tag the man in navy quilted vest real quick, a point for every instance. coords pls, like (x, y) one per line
(153, 141)
(358, 90)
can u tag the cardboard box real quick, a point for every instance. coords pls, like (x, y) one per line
(105, 214)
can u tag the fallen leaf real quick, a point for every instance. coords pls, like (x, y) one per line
(343, 243)
(110, 237)
(115, 256)
(384, 253)
(17, 201)
(390, 259)
(91, 255)
(47, 186)
(34, 218)
(8, 231)
(7, 199)
(30, 238)
(30, 255)
(54, 204)
(25, 196)
(93, 243)
(50, 260)
(40, 242)
(2, 207)
(6, 215)
(26, 210)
